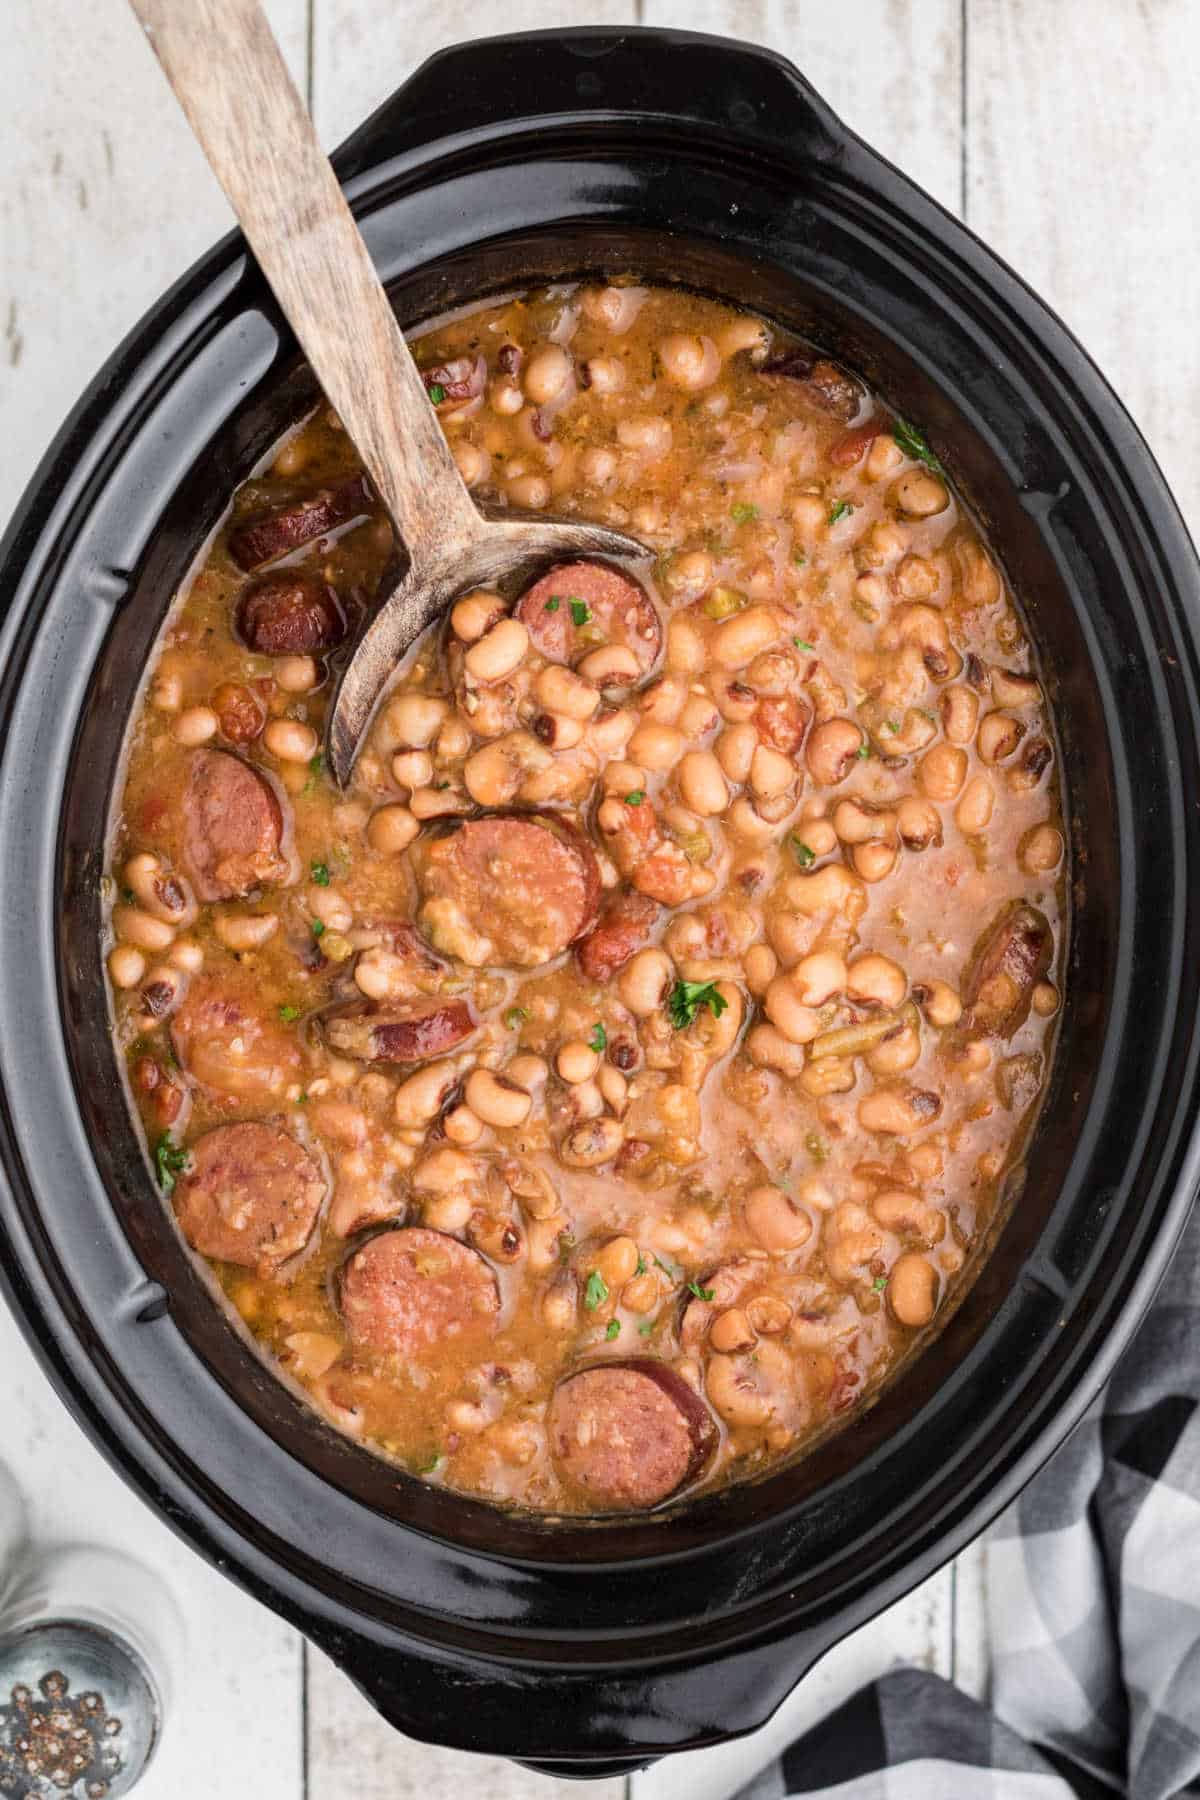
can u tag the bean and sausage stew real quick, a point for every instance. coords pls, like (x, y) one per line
(599, 1098)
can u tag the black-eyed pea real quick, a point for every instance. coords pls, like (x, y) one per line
(412, 768)
(561, 691)
(411, 721)
(678, 1109)
(918, 824)
(420, 1099)
(960, 714)
(473, 463)
(166, 692)
(734, 750)
(874, 861)
(816, 835)
(768, 1315)
(245, 931)
(560, 1304)
(577, 1061)
(499, 652)
(1040, 850)
(591, 1143)
(855, 823)
(126, 966)
(926, 1161)
(644, 982)
(547, 374)
(772, 774)
(818, 976)
(767, 1047)
(1026, 773)
(832, 750)
(731, 1331)
(908, 1216)
(196, 725)
(614, 1087)
(736, 700)
(917, 578)
(852, 1247)
(998, 736)
(528, 1071)
(973, 812)
(498, 1236)
(133, 925)
(939, 1002)
(698, 717)
(760, 965)
(702, 784)
(774, 1219)
(883, 457)
(463, 1126)
(898, 1111)
(883, 545)
(737, 641)
(686, 652)
(824, 1075)
(689, 575)
(453, 740)
(290, 741)
(473, 616)
(505, 397)
(447, 1212)
(649, 434)
(640, 1295)
(733, 1391)
(773, 673)
(611, 665)
(942, 771)
(912, 1290)
(981, 584)
(604, 375)
(656, 746)
(1012, 689)
(796, 1018)
(899, 1051)
(810, 513)
(438, 803)
(919, 494)
(875, 980)
(1045, 1000)
(468, 1417)
(617, 1261)
(496, 1100)
(689, 362)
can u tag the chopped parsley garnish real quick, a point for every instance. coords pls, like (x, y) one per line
(596, 1291)
(803, 644)
(437, 393)
(427, 1468)
(863, 751)
(515, 1017)
(598, 1040)
(890, 726)
(799, 558)
(641, 1265)
(879, 1283)
(645, 1328)
(289, 1013)
(613, 1330)
(687, 997)
(320, 874)
(634, 797)
(553, 604)
(673, 1274)
(803, 854)
(741, 512)
(701, 1293)
(913, 444)
(170, 1160)
(318, 928)
(841, 509)
(581, 612)
(316, 769)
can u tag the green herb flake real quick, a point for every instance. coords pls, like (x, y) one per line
(635, 797)
(320, 874)
(879, 1283)
(437, 393)
(427, 1468)
(641, 1265)
(687, 997)
(742, 513)
(596, 1291)
(318, 928)
(803, 854)
(841, 509)
(613, 1330)
(128, 896)
(515, 1017)
(890, 726)
(863, 751)
(803, 644)
(598, 1039)
(170, 1160)
(316, 768)
(701, 1293)
(581, 612)
(799, 558)
(289, 1014)
(301, 1099)
(645, 1328)
(912, 443)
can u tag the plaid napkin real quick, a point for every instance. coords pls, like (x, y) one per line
(1094, 1617)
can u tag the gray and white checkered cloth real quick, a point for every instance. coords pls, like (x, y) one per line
(1094, 1617)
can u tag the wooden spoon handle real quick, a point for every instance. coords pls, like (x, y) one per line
(225, 67)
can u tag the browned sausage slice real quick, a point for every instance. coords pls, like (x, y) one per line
(451, 385)
(592, 597)
(289, 613)
(250, 1195)
(224, 1042)
(509, 888)
(232, 827)
(1005, 966)
(410, 1291)
(627, 1435)
(823, 384)
(624, 928)
(402, 1034)
(269, 535)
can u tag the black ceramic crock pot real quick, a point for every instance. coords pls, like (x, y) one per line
(581, 1646)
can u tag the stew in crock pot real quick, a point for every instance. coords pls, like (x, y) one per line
(603, 1095)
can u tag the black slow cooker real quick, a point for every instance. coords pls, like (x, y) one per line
(591, 1647)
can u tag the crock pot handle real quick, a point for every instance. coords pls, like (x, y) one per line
(719, 85)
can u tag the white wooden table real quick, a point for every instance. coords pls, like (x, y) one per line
(1063, 130)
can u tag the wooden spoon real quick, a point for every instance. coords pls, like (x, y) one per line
(228, 75)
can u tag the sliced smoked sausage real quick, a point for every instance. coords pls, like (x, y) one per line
(232, 827)
(1005, 966)
(289, 613)
(822, 383)
(267, 536)
(624, 927)
(411, 1033)
(510, 888)
(609, 605)
(250, 1195)
(225, 1042)
(626, 1435)
(407, 1292)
